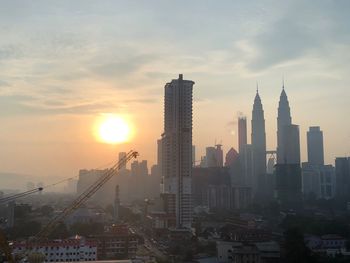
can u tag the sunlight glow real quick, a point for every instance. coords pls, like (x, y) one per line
(113, 130)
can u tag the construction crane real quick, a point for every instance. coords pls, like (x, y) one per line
(4, 245)
(16, 196)
(83, 197)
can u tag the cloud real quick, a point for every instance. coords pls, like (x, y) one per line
(10, 52)
(4, 83)
(302, 28)
(28, 105)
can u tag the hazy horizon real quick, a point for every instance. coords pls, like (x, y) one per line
(63, 64)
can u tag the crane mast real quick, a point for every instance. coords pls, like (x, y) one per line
(83, 197)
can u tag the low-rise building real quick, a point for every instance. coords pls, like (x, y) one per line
(330, 245)
(67, 250)
(240, 252)
(117, 243)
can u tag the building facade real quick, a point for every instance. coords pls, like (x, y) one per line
(177, 148)
(288, 170)
(258, 147)
(342, 172)
(242, 133)
(315, 152)
(318, 181)
(68, 250)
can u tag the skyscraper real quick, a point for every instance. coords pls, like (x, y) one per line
(342, 173)
(242, 133)
(177, 149)
(214, 156)
(291, 144)
(219, 155)
(288, 170)
(315, 154)
(284, 119)
(258, 145)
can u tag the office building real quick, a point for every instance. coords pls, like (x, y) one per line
(288, 170)
(284, 119)
(318, 181)
(177, 149)
(242, 133)
(342, 172)
(315, 153)
(258, 146)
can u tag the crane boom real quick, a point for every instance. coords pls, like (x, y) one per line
(83, 197)
(13, 197)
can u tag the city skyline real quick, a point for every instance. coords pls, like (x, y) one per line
(71, 72)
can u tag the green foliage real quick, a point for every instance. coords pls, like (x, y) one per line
(296, 250)
(24, 229)
(60, 232)
(317, 226)
(46, 210)
(127, 215)
(22, 211)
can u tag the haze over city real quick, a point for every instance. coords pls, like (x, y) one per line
(66, 64)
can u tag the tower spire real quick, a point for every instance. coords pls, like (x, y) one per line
(257, 88)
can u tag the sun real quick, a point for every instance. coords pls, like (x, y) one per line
(113, 130)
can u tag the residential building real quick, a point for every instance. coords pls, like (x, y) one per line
(177, 148)
(74, 249)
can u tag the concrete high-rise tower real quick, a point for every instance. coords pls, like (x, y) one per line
(284, 119)
(315, 154)
(258, 145)
(242, 133)
(177, 150)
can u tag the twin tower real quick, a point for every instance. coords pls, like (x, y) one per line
(288, 150)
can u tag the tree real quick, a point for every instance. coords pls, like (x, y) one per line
(296, 250)
(46, 210)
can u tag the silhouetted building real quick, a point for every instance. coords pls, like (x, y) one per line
(284, 119)
(291, 144)
(246, 162)
(342, 172)
(315, 146)
(177, 148)
(219, 155)
(318, 181)
(288, 184)
(210, 157)
(212, 187)
(242, 133)
(288, 170)
(231, 158)
(258, 147)
(193, 155)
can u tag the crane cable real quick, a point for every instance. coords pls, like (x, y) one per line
(10, 198)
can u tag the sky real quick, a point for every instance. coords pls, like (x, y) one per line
(63, 64)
